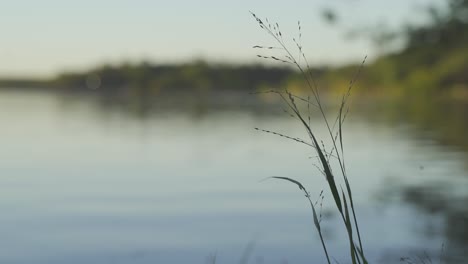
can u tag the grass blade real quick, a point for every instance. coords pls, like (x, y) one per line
(349, 230)
(301, 187)
(314, 212)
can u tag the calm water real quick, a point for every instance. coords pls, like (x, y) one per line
(79, 184)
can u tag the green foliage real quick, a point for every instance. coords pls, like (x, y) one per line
(194, 77)
(447, 28)
(432, 63)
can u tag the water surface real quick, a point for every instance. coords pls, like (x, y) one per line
(83, 184)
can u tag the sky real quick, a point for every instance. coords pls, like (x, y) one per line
(44, 38)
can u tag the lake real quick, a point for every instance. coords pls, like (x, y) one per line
(81, 183)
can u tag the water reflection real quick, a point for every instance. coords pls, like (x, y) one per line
(443, 124)
(194, 104)
(439, 200)
(441, 121)
(84, 179)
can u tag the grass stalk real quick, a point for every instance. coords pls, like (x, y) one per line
(344, 201)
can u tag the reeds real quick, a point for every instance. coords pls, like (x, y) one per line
(343, 198)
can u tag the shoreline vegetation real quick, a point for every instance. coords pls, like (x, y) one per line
(408, 75)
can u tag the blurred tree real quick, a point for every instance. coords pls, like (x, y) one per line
(446, 28)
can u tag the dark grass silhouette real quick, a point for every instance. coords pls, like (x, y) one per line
(300, 107)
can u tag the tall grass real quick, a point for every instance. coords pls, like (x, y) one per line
(300, 108)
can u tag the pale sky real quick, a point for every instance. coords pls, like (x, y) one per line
(45, 37)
